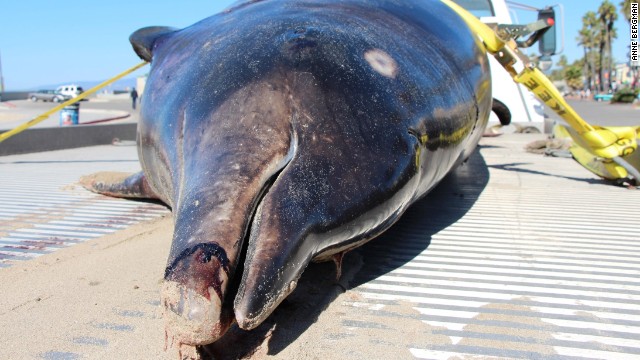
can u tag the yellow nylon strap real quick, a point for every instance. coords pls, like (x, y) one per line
(605, 142)
(542, 87)
(83, 95)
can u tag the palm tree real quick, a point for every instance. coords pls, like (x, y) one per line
(607, 16)
(625, 8)
(563, 62)
(573, 77)
(588, 38)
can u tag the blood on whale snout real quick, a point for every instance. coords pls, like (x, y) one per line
(192, 295)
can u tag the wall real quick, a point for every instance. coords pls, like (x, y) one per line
(67, 137)
(14, 95)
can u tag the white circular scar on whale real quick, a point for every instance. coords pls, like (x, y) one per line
(382, 62)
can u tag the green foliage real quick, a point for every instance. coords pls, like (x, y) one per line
(563, 62)
(558, 73)
(589, 37)
(625, 9)
(573, 77)
(607, 12)
(596, 37)
(607, 16)
(625, 95)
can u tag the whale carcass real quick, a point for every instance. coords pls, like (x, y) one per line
(282, 132)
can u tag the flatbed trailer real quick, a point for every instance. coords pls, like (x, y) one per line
(514, 255)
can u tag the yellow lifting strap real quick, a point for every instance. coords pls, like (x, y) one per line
(45, 115)
(607, 145)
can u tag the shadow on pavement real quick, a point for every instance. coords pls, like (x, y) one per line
(516, 167)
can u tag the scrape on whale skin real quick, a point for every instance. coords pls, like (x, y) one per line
(282, 132)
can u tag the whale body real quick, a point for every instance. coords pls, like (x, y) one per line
(282, 132)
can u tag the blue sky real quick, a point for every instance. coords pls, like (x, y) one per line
(46, 42)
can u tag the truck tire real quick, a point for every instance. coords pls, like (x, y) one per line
(502, 112)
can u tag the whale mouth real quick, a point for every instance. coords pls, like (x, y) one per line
(236, 280)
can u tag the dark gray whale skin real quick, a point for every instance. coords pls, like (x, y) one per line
(281, 132)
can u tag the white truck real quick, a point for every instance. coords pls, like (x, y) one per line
(524, 109)
(70, 90)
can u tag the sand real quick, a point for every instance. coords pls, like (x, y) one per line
(101, 299)
(95, 300)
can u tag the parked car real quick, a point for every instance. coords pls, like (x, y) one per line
(48, 95)
(70, 90)
(602, 97)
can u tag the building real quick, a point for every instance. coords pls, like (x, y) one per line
(623, 75)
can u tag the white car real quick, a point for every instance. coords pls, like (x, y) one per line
(70, 90)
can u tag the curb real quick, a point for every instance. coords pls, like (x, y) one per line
(106, 120)
(47, 139)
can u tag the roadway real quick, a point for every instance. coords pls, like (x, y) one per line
(605, 114)
(118, 107)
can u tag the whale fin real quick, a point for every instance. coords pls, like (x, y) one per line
(119, 184)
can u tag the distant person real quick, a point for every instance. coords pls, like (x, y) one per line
(134, 98)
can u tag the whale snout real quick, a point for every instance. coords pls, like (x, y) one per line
(192, 296)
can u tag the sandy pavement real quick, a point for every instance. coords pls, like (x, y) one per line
(450, 280)
(95, 300)
(101, 300)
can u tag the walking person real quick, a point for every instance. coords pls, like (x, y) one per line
(134, 98)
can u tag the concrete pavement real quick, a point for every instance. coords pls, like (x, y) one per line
(15, 113)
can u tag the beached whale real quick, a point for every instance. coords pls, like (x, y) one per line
(282, 132)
